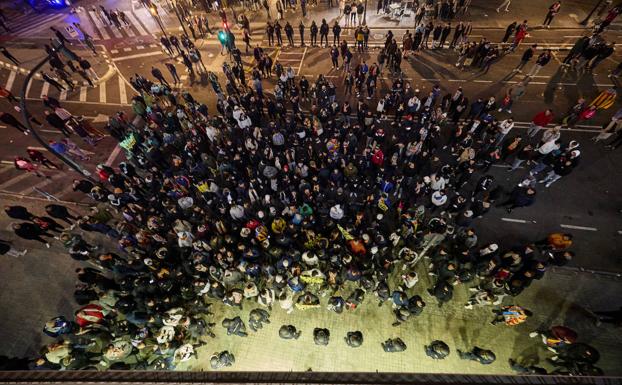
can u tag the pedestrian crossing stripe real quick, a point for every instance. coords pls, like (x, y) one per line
(99, 28)
(27, 25)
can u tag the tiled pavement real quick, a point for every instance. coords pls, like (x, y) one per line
(560, 298)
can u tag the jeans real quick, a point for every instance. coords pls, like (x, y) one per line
(538, 168)
(535, 69)
(551, 178)
(516, 164)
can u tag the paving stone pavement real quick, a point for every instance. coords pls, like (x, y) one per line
(559, 298)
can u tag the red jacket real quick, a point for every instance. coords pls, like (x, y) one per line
(378, 158)
(542, 120)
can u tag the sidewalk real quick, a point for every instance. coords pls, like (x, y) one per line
(482, 13)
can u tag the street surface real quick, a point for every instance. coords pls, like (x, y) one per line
(586, 203)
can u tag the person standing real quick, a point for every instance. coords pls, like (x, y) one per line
(173, 71)
(289, 32)
(553, 10)
(541, 120)
(158, 75)
(270, 33)
(277, 32)
(543, 59)
(324, 33)
(336, 33)
(86, 67)
(360, 8)
(334, 57)
(301, 31)
(509, 31)
(313, 30)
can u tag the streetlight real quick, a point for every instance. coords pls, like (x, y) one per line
(174, 5)
(587, 18)
(35, 134)
(154, 13)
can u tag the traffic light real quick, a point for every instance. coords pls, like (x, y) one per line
(222, 37)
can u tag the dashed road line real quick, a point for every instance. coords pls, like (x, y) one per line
(102, 92)
(136, 56)
(10, 81)
(514, 220)
(579, 227)
(122, 91)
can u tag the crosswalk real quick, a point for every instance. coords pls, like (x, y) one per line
(56, 183)
(37, 25)
(113, 91)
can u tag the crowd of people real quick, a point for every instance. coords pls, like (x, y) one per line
(260, 208)
(298, 200)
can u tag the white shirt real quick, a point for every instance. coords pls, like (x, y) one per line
(439, 199)
(506, 126)
(437, 184)
(548, 147)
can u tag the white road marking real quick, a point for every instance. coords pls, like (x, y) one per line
(83, 94)
(140, 47)
(15, 180)
(301, 61)
(513, 220)
(138, 55)
(129, 31)
(127, 49)
(28, 88)
(39, 185)
(114, 51)
(116, 32)
(99, 26)
(122, 91)
(45, 89)
(113, 155)
(139, 27)
(579, 227)
(10, 81)
(102, 92)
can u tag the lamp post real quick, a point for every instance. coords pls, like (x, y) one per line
(176, 10)
(587, 18)
(34, 132)
(154, 13)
